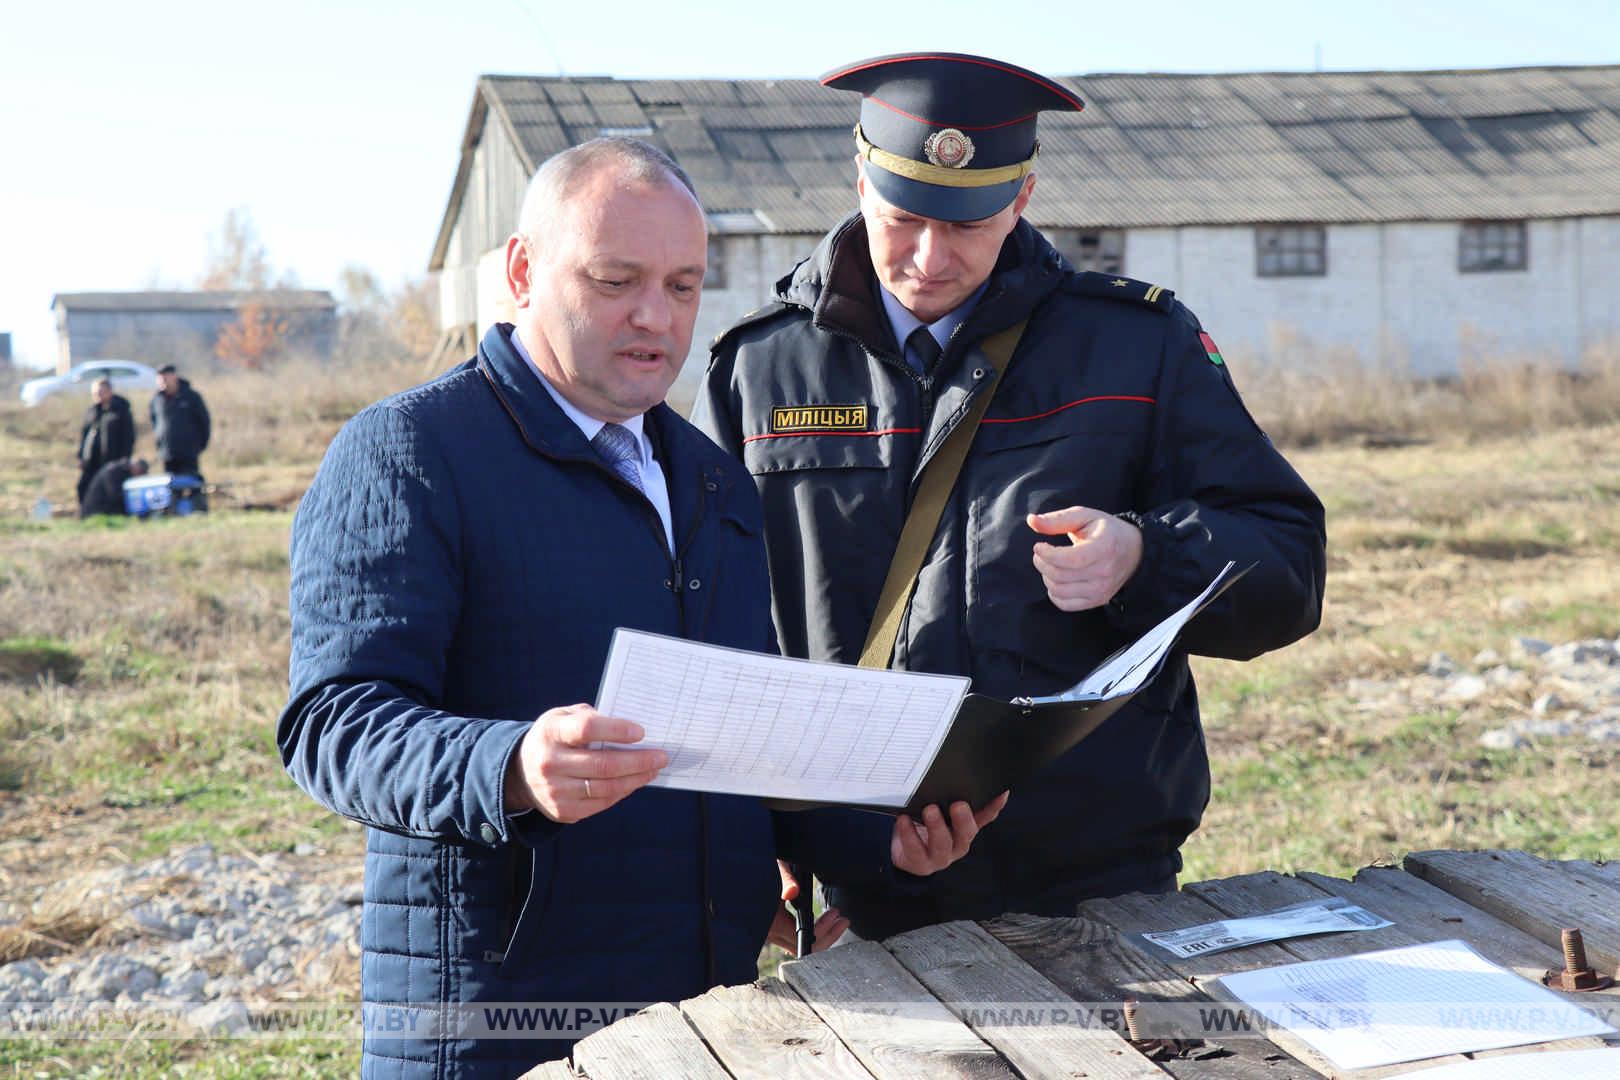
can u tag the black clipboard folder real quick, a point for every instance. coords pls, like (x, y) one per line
(995, 745)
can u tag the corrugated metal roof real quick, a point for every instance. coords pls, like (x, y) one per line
(1150, 149)
(196, 300)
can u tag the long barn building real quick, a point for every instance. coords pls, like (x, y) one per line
(183, 326)
(1417, 221)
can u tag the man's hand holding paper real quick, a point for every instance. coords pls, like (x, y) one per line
(557, 772)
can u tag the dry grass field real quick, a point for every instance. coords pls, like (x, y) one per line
(142, 664)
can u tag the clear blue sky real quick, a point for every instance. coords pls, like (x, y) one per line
(127, 130)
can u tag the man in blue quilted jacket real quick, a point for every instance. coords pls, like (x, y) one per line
(458, 568)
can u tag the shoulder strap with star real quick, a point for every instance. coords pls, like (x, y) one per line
(759, 315)
(1114, 287)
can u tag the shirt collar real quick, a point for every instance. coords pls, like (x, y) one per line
(903, 322)
(587, 424)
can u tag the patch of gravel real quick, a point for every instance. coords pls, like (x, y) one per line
(199, 927)
(1567, 692)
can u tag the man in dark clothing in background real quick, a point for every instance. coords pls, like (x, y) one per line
(105, 495)
(179, 423)
(108, 432)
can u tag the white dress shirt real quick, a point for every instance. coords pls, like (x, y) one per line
(653, 483)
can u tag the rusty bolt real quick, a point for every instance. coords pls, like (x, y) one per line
(1574, 950)
(1576, 974)
(1130, 1020)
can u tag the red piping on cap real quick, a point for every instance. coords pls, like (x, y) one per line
(943, 123)
(1043, 83)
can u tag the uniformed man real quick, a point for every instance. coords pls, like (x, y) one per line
(1115, 472)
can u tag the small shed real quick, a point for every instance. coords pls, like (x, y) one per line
(158, 327)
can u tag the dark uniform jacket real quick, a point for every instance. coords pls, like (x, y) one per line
(458, 567)
(1111, 401)
(107, 432)
(180, 424)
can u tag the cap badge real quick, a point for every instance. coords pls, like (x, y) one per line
(948, 148)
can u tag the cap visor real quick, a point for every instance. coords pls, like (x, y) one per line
(942, 203)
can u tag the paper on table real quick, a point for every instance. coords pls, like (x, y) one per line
(1405, 1004)
(750, 724)
(1593, 1064)
(1331, 914)
(1128, 670)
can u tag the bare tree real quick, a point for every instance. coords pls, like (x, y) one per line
(236, 257)
(382, 323)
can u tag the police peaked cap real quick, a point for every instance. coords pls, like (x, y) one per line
(947, 135)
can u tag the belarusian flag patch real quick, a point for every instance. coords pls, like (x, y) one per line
(1211, 348)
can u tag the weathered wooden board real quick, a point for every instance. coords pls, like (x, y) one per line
(1027, 997)
(654, 1044)
(1092, 964)
(889, 1020)
(1013, 1007)
(551, 1070)
(1608, 871)
(1538, 897)
(767, 1032)
(1432, 914)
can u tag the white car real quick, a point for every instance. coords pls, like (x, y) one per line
(126, 375)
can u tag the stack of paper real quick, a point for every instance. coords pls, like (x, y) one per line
(1406, 1004)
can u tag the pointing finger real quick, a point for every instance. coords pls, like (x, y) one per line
(1071, 519)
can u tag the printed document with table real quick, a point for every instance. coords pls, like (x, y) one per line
(803, 732)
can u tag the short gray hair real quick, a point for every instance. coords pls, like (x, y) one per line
(562, 175)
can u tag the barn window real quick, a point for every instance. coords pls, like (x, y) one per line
(1102, 250)
(1484, 246)
(715, 276)
(1290, 250)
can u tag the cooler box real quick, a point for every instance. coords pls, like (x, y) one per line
(163, 493)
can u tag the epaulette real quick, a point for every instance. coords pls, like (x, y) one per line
(1114, 287)
(758, 315)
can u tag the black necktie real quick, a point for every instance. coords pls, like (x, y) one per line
(922, 350)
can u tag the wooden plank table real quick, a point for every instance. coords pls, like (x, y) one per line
(1038, 998)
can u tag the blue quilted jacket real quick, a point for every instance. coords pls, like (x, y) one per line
(458, 567)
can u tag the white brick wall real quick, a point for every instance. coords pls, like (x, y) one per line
(1393, 295)
(753, 263)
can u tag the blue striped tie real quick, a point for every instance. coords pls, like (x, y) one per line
(615, 445)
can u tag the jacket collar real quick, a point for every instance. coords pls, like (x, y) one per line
(547, 429)
(838, 285)
(538, 418)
